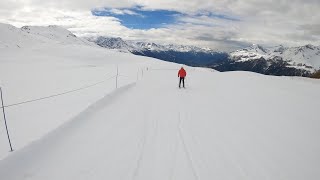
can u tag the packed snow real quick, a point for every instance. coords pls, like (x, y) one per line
(233, 125)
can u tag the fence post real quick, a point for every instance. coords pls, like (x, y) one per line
(5, 120)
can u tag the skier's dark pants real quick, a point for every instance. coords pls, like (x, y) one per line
(181, 79)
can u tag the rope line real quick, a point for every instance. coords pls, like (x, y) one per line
(59, 94)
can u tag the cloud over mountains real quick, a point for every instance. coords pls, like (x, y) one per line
(223, 24)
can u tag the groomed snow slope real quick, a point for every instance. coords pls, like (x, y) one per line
(37, 62)
(234, 125)
(28, 74)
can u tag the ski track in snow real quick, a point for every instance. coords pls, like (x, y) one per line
(153, 130)
(157, 136)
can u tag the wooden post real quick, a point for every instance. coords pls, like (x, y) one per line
(5, 120)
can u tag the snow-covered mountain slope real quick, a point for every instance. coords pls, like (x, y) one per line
(131, 46)
(280, 61)
(189, 55)
(304, 57)
(231, 125)
(296, 61)
(309, 55)
(154, 130)
(111, 43)
(12, 37)
(56, 34)
(31, 36)
(32, 73)
(169, 47)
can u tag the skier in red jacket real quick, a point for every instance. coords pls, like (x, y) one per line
(182, 74)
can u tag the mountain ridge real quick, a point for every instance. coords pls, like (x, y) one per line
(278, 60)
(183, 54)
(30, 36)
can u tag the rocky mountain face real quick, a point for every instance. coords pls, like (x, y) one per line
(280, 60)
(111, 43)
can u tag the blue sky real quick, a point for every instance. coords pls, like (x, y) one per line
(136, 18)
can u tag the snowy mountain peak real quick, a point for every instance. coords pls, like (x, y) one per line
(53, 32)
(118, 43)
(149, 46)
(279, 49)
(182, 54)
(310, 46)
(303, 57)
(256, 48)
(111, 43)
(4, 26)
(30, 36)
(41, 29)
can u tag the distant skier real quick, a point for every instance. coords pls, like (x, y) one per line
(182, 74)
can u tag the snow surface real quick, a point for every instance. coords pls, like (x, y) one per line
(232, 125)
(30, 74)
(41, 67)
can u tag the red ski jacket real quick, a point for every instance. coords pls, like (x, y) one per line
(182, 73)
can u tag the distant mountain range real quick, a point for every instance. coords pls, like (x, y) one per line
(280, 60)
(189, 55)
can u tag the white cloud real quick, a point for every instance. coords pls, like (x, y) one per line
(270, 22)
(123, 11)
